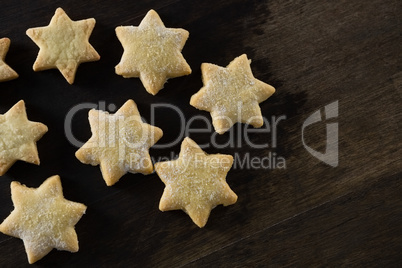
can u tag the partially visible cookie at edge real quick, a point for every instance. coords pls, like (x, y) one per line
(18, 137)
(6, 72)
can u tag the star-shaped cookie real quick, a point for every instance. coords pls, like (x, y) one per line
(120, 143)
(6, 73)
(43, 218)
(231, 94)
(195, 182)
(152, 52)
(63, 44)
(18, 137)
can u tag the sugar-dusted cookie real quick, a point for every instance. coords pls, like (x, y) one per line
(152, 52)
(120, 143)
(6, 73)
(63, 44)
(18, 137)
(43, 218)
(231, 94)
(195, 182)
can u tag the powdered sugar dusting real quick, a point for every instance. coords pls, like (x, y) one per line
(152, 52)
(196, 181)
(43, 218)
(231, 94)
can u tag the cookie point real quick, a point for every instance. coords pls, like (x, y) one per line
(272, 89)
(162, 207)
(5, 39)
(15, 184)
(93, 112)
(152, 11)
(32, 258)
(69, 78)
(257, 123)
(84, 208)
(130, 101)
(117, 67)
(230, 157)
(152, 92)
(31, 261)
(200, 223)
(59, 9)
(45, 128)
(21, 102)
(109, 183)
(55, 177)
(159, 133)
(221, 131)
(192, 100)
(78, 154)
(187, 140)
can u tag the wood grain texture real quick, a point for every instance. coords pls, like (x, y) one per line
(309, 214)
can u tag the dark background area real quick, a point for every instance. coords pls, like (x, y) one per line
(309, 214)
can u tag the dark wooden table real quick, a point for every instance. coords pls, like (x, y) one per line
(307, 214)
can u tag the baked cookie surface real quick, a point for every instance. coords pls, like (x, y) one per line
(195, 182)
(231, 94)
(43, 218)
(120, 143)
(152, 52)
(6, 73)
(64, 44)
(18, 137)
